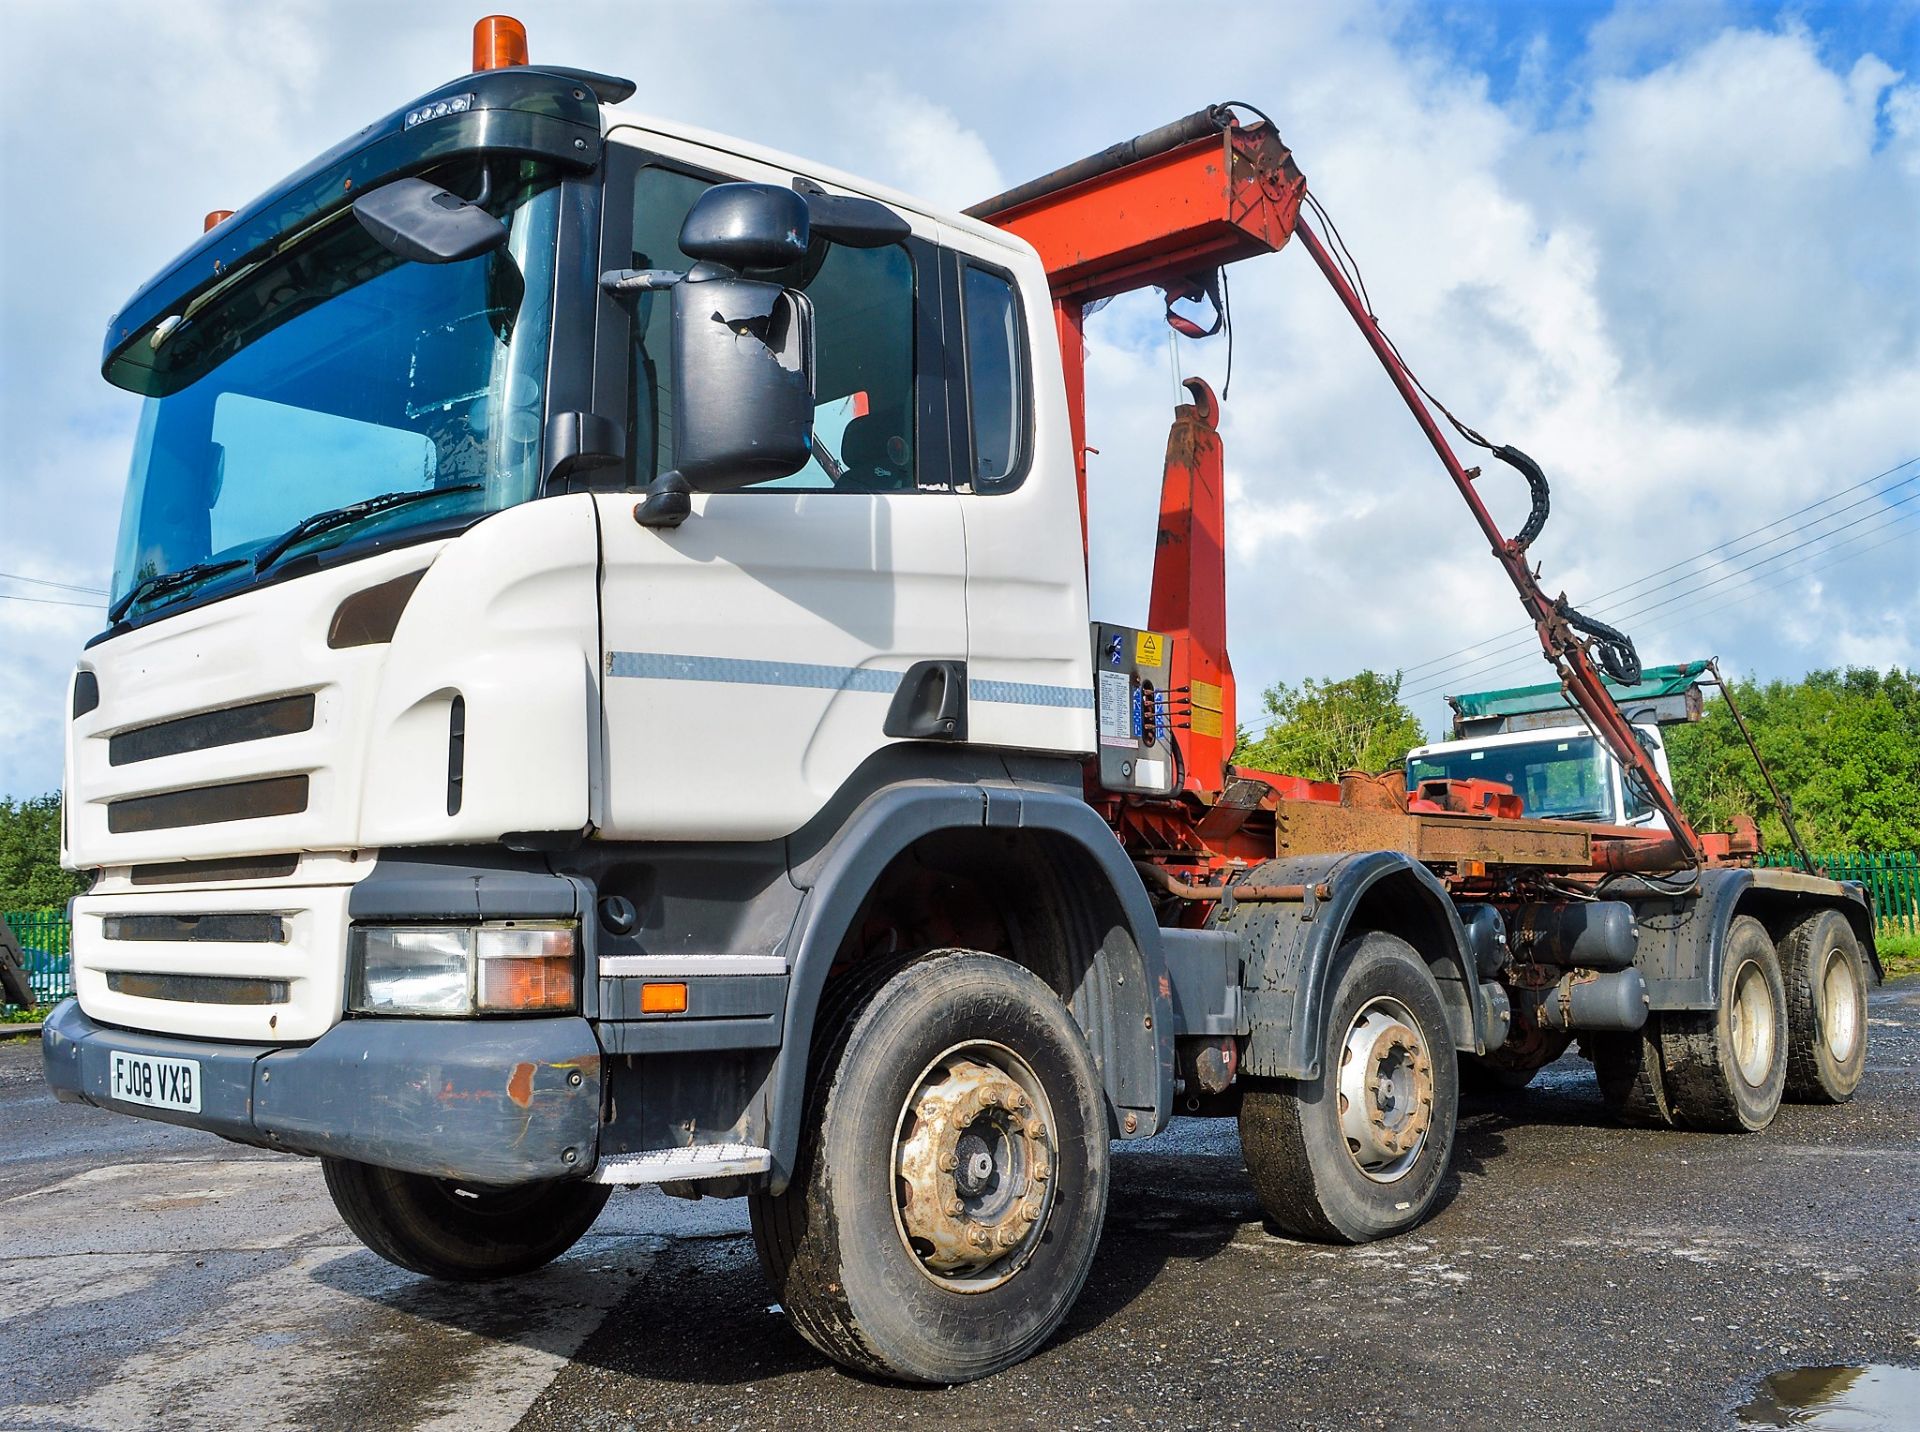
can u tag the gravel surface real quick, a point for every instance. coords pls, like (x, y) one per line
(1576, 1274)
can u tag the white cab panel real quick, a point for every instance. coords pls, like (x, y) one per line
(506, 619)
(310, 960)
(752, 652)
(505, 616)
(1029, 649)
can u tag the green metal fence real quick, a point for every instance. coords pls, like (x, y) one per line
(1892, 879)
(46, 944)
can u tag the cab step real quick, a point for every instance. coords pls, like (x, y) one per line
(672, 1165)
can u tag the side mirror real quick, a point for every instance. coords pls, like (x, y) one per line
(743, 390)
(747, 226)
(418, 220)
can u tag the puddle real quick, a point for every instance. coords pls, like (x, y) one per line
(1873, 1397)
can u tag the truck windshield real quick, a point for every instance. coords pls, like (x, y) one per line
(335, 376)
(1557, 779)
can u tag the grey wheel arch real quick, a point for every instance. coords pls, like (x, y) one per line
(1683, 939)
(1133, 1023)
(1289, 946)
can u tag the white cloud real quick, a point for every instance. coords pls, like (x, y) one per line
(1691, 287)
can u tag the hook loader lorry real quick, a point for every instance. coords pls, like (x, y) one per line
(599, 690)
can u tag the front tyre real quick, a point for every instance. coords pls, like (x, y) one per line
(461, 1232)
(1358, 1152)
(952, 1177)
(1825, 975)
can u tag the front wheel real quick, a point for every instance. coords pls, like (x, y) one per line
(1358, 1152)
(460, 1232)
(952, 1177)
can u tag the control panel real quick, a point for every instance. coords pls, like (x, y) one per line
(1132, 671)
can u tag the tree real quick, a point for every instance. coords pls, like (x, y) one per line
(30, 873)
(1844, 747)
(1323, 727)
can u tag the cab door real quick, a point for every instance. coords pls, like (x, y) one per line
(751, 656)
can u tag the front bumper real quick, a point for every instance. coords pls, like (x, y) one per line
(501, 1101)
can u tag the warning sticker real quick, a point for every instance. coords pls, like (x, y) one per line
(1116, 708)
(1204, 722)
(1149, 649)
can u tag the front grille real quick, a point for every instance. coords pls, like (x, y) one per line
(198, 989)
(239, 929)
(208, 805)
(237, 867)
(282, 716)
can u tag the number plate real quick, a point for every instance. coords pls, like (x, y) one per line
(158, 1083)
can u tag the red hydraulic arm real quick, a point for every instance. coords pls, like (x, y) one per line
(1168, 209)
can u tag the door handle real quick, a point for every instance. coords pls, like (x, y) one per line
(930, 703)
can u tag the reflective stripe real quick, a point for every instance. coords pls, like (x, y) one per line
(662, 666)
(665, 666)
(1027, 693)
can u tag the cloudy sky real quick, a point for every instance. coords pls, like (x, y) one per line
(1670, 249)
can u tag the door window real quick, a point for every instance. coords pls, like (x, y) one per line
(996, 378)
(863, 302)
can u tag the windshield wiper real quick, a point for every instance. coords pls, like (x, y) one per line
(341, 516)
(160, 583)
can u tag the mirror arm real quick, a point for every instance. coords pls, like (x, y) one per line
(624, 283)
(668, 501)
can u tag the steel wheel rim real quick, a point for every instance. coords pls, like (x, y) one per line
(973, 1167)
(1752, 1020)
(1839, 1005)
(1385, 1090)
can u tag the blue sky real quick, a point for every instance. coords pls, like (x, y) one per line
(1672, 250)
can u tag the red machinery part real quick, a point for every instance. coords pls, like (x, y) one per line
(1167, 209)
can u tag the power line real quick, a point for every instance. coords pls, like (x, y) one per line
(63, 586)
(48, 601)
(1899, 529)
(1696, 557)
(1463, 670)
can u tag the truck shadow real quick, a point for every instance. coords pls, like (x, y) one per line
(699, 1313)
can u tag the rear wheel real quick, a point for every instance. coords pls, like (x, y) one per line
(1825, 975)
(1358, 1152)
(1632, 1083)
(952, 1177)
(461, 1232)
(1726, 1069)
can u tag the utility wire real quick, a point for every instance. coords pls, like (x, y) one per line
(1900, 529)
(48, 601)
(1696, 557)
(1827, 558)
(63, 586)
(1614, 613)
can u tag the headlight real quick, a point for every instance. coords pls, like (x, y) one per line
(455, 970)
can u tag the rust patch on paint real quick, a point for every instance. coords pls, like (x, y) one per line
(520, 1085)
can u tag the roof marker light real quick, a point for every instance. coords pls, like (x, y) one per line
(499, 42)
(452, 104)
(218, 216)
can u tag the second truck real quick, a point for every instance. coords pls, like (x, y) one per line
(600, 690)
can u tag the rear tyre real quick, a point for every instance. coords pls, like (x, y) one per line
(1726, 1069)
(1825, 975)
(952, 1177)
(461, 1232)
(1632, 1083)
(1358, 1152)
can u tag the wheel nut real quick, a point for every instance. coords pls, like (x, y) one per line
(949, 1162)
(955, 1208)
